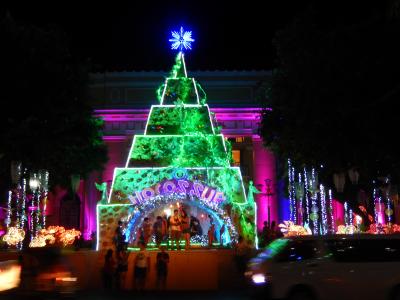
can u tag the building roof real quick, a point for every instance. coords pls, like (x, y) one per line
(137, 89)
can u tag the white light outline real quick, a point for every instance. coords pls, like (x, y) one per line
(97, 226)
(184, 105)
(184, 64)
(165, 88)
(167, 135)
(161, 168)
(197, 93)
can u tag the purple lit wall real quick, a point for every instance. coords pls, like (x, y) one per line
(264, 168)
(338, 213)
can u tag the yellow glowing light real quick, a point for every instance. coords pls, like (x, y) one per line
(167, 211)
(55, 229)
(288, 228)
(14, 236)
(66, 279)
(37, 242)
(9, 275)
(68, 236)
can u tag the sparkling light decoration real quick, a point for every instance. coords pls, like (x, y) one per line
(181, 40)
(324, 224)
(288, 228)
(300, 195)
(306, 196)
(375, 198)
(388, 210)
(23, 204)
(37, 241)
(292, 193)
(332, 219)
(350, 216)
(68, 236)
(14, 236)
(55, 229)
(346, 229)
(8, 220)
(199, 239)
(314, 198)
(54, 234)
(44, 179)
(346, 218)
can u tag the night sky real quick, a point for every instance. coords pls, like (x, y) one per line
(134, 36)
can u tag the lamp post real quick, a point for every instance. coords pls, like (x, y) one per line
(269, 193)
(34, 184)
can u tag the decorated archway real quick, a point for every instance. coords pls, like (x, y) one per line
(220, 216)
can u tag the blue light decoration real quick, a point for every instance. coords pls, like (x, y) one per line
(181, 40)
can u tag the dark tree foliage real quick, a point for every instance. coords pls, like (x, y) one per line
(334, 93)
(46, 122)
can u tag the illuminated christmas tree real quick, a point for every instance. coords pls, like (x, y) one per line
(181, 157)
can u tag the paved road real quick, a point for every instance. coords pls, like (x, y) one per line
(130, 295)
(225, 295)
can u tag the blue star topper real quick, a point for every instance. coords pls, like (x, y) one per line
(181, 40)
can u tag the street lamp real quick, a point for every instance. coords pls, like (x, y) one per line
(269, 193)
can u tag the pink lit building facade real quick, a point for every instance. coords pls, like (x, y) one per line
(123, 100)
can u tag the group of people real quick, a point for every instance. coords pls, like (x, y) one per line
(114, 272)
(269, 233)
(175, 227)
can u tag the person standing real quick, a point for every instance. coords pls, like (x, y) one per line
(242, 253)
(108, 270)
(211, 234)
(158, 230)
(162, 268)
(221, 235)
(119, 237)
(122, 269)
(185, 228)
(142, 263)
(165, 233)
(176, 230)
(147, 230)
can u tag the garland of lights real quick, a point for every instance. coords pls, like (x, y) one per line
(324, 224)
(331, 211)
(292, 203)
(300, 195)
(314, 198)
(8, 220)
(54, 234)
(375, 198)
(307, 198)
(388, 210)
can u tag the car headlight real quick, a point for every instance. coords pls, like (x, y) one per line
(258, 278)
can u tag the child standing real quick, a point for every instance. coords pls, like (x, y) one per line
(142, 263)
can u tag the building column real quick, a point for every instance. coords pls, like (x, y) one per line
(264, 168)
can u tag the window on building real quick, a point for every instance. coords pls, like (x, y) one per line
(236, 157)
(239, 139)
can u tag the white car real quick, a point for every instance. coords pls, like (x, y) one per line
(331, 267)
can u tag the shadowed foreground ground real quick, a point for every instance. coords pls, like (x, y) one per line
(129, 295)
